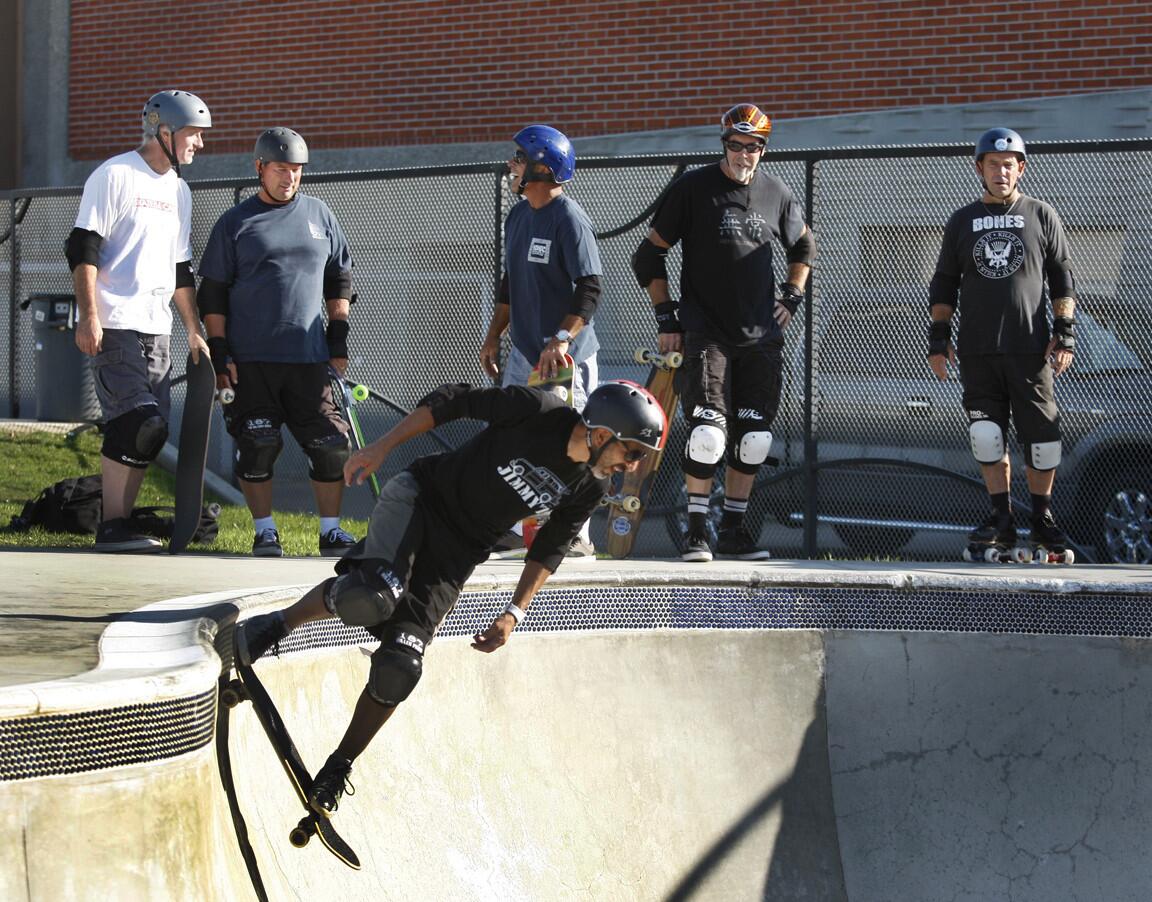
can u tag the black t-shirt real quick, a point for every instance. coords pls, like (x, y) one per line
(992, 267)
(517, 466)
(727, 283)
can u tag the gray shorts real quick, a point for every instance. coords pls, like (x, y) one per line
(132, 370)
(517, 369)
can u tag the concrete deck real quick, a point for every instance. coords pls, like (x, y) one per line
(707, 742)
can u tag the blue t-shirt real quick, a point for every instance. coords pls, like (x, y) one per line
(273, 260)
(545, 252)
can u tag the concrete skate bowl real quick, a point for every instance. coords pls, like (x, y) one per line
(636, 742)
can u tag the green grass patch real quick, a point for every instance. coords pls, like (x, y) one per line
(30, 461)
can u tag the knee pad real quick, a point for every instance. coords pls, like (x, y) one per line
(257, 446)
(136, 437)
(326, 458)
(753, 448)
(987, 441)
(1044, 455)
(704, 449)
(365, 596)
(397, 666)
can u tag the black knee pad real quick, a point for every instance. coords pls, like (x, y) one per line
(326, 458)
(258, 444)
(364, 596)
(136, 437)
(397, 666)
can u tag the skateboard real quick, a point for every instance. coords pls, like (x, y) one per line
(626, 505)
(345, 396)
(562, 384)
(1028, 553)
(249, 688)
(195, 428)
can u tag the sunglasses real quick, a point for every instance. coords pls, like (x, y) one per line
(519, 157)
(741, 147)
(632, 453)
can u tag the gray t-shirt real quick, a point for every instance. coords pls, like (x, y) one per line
(545, 252)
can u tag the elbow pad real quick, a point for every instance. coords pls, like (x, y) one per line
(804, 250)
(212, 298)
(337, 285)
(185, 277)
(82, 246)
(586, 297)
(648, 263)
(505, 295)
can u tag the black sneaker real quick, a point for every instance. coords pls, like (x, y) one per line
(258, 634)
(1045, 532)
(511, 545)
(696, 548)
(267, 544)
(332, 781)
(737, 542)
(117, 536)
(335, 543)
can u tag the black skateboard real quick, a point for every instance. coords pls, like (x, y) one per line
(345, 397)
(195, 427)
(249, 688)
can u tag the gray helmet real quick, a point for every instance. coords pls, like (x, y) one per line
(1000, 140)
(281, 145)
(175, 109)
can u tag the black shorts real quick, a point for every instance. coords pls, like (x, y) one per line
(1000, 387)
(730, 378)
(423, 553)
(297, 395)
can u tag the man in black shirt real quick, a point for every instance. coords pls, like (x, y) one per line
(996, 255)
(729, 322)
(437, 520)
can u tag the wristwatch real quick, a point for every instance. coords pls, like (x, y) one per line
(563, 335)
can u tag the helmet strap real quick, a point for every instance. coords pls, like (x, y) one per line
(594, 453)
(169, 152)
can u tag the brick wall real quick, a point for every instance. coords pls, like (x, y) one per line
(364, 74)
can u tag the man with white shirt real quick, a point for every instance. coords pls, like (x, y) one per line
(130, 254)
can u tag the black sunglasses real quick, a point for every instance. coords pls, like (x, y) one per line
(633, 454)
(519, 157)
(741, 147)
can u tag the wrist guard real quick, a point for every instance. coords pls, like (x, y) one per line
(667, 318)
(790, 296)
(337, 337)
(1064, 331)
(939, 335)
(218, 350)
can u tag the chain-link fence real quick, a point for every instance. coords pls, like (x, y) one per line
(873, 451)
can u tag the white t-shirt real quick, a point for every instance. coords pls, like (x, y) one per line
(145, 220)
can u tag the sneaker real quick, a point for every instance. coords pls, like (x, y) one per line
(330, 784)
(335, 543)
(581, 547)
(510, 546)
(258, 634)
(696, 548)
(737, 542)
(267, 544)
(117, 536)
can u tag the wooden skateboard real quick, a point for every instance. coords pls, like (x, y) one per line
(626, 505)
(195, 428)
(249, 688)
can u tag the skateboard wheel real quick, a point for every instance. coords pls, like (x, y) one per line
(214, 509)
(631, 504)
(359, 392)
(992, 555)
(642, 355)
(674, 359)
(1068, 556)
(227, 396)
(967, 555)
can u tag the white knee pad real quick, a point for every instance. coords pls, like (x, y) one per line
(987, 441)
(706, 444)
(1044, 455)
(754, 448)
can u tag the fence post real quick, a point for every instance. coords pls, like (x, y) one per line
(13, 307)
(811, 473)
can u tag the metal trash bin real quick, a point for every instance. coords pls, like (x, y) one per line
(65, 391)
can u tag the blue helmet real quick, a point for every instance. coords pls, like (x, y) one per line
(544, 144)
(1000, 140)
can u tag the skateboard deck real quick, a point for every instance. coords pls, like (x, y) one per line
(195, 428)
(248, 687)
(626, 506)
(345, 396)
(561, 383)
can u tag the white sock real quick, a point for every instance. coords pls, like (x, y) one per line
(327, 524)
(262, 523)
